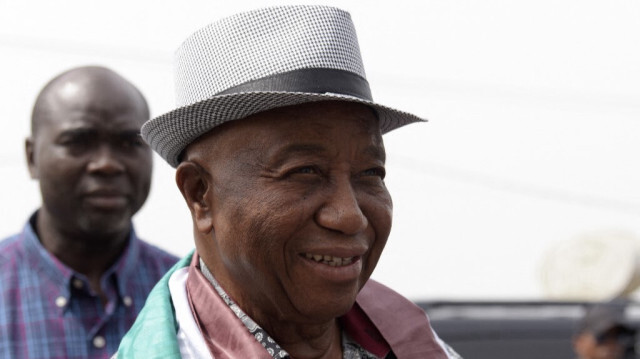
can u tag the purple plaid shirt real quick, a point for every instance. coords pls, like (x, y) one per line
(48, 311)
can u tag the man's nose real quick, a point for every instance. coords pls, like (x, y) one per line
(341, 211)
(105, 160)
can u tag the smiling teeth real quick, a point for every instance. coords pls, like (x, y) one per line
(329, 260)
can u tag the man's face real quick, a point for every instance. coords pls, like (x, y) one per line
(93, 168)
(300, 210)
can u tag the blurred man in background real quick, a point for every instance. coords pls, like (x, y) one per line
(603, 333)
(74, 279)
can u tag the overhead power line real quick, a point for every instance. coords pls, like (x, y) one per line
(495, 183)
(87, 49)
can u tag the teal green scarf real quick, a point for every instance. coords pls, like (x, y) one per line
(153, 335)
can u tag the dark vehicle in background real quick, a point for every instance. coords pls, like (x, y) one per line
(515, 330)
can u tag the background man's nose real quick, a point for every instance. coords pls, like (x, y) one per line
(105, 160)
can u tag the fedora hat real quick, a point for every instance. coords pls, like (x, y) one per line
(260, 60)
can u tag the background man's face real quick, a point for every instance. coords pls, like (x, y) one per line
(612, 345)
(301, 212)
(93, 168)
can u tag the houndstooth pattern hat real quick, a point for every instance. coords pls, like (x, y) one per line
(261, 60)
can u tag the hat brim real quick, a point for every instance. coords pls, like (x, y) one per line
(171, 133)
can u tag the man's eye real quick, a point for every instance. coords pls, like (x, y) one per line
(376, 171)
(76, 142)
(305, 170)
(131, 142)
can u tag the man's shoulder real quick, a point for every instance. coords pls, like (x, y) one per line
(403, 324)
(14, 266)
(11, 248)
(14, 247)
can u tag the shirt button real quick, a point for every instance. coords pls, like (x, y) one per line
(127, 301)
(77, 283)
(61, 301)
(99, 342)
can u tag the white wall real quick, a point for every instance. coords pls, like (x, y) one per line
(534, 110)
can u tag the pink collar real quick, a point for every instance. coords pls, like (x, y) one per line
(381, 320)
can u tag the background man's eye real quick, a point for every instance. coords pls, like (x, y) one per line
(132, 142)
(77, 142)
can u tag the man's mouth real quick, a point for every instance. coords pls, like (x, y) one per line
(107, 200)
(330, 260)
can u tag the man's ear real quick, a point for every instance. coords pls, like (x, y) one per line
(195, 185)
(29, 147)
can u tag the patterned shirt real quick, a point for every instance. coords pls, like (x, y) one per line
(350, 349)
(49, 311)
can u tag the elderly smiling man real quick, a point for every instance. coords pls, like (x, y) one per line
(279, 155)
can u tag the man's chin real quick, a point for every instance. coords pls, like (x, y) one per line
(323, 310)
(105, 225)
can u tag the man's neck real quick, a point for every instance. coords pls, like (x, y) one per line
(300, 340)
(321, 342)
(85, 253)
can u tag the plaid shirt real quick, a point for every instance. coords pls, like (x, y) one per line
(48, 311)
